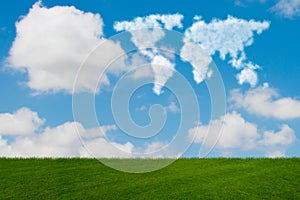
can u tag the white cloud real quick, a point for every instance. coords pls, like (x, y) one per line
(64, 141)
(22, 122)
(247, 76)
(96, 132)
(285, 136)
(200, 61)
(154, 147)
(163, 70)
(28, 139)
(275, 154)
(101, 148)
(158, 149)
(59, 141)
(172, 107)
(151, 22)
(52, 43)
(139, 66)
(142, 72)
(67, 139)
(265, 101)
(236, 132)
(142, 108)
(276, 143)
(244, 3)
(287, 8)
(146, 32)
(228, 37)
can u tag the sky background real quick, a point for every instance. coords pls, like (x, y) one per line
(253, 43)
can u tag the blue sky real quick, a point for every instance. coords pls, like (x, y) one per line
(253, 45)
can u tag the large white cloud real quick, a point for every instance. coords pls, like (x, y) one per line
(60, 141)
(52, 43)
(237, 133)
(64, 141)
(287, 8)
(22, 122)
(265, 101)
(228, 37)
(70, 139)
(146, 32)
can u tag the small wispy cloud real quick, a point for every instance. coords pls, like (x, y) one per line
(283, 8)
(141, 108)
(287, 8)
(172, 107)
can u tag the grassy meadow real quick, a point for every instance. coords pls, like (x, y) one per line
(215, 178)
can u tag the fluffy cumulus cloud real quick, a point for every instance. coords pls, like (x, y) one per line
(229, 38)
(21, 135)
(64, 141)
(146, 32)
(159, 149)
(237, 133)
(60, 141)
(266, 101)
(276, 142)
(287, 8)
(101, 148)
(285, 136)
(51, 44)
(22, 122)
(247, 75)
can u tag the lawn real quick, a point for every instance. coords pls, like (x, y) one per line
(184, 179)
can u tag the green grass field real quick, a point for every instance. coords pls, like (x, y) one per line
(184, 179)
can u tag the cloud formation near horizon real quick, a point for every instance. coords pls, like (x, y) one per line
(237, 133)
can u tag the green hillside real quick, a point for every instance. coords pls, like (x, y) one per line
(184, 179)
